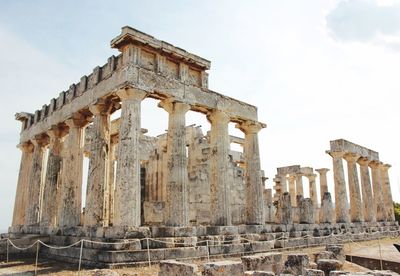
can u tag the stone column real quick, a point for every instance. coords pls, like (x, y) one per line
(356, 210)
(32, 214)
(177, 198)
(341, 204)
(70, 205)
(111, 181)
(254, 189)
(284, 187)
(97, 183)
(368, 199)
(292, 189)
(52, 180)
(387, 192)
(323, 183)
(313, 189)
(219, 164)
(127, 204)
(21, 195)
(299, 184)
(378, 192)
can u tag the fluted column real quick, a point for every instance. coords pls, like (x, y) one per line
(292, 189)
(356, 210)
(313, 189)
(368, 199)
(377, 190)
(341, 203)
(21, 195)
(97, 183)
(177, 198)
(127, 200)
(254, 188)
(323, 183)
(32, 214)
(52, 180)
(387, 192)
(299, 184)
(70, 205)
(220, 176)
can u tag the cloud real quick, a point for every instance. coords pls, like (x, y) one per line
(366, 21)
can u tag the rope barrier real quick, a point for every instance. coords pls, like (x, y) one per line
(80, 257)
(37, 256)
(148, 252)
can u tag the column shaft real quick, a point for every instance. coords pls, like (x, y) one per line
(387, 192)
(323, 182)
(377, 188)
(313, 189)
(356, 210)
(299, 184)
(127, 200)
(220, 176)
(368, 199)
(292, 189)
(111, 182)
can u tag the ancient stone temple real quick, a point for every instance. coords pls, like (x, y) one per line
(184, 186)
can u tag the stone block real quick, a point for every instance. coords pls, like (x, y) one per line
(324, 255)
(185, 232)
(338, 272)
(162, 231)
(153, 212)
(103, 272)
(259, 273)
(137, 232)
(313, 272)
(226, 249)
(328, 265)
(222, 230)
(223, 268)
(337, 250)
(265, 262)
(174, 268)
(296, 263)
(262, 246)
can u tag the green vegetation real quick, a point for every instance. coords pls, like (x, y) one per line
(397, 211)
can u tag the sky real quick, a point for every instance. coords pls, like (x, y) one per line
(317, 70)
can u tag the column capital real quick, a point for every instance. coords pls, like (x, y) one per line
(363, 161)
(131, 94)
(77, 121)
(336, 154)
(218, 116)
(56, 132)
(375, 164)
(172, 105)
(322, 170)
(291, 177)
(250, 126)
(386, 167)
(311, 177)
(351, 157)
(40, 140)
(26, 147)
(101, 107)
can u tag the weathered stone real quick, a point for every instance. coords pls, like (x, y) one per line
(223, 268)
(356, 210)
(326, 210)
(328, 265)
(174, 268)
(337, 250)
(103, 272)
(306, 211)
(324, 255)
(297, 263)
(313, 272)
(264, 261)
(259, 273)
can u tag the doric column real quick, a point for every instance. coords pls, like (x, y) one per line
(299, 184)
(32, 214)
(98, 166)
(127, 200)
(341, 204)
(368, 199)
(284, 187)
(313, 189)
(52, 180)
(220, 176)
(177, 198)
(377, 188)
(387, 192)
(254, 188)
(356, 210)
(111, 181)
(21, 195)
(323, 183)
(70, 205)
(292, 189)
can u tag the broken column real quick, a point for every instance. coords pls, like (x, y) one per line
(356, 210)
(177, 201)
(284, 209)
(306, 209)
(127, 209)
(326, 211)
(220, 176)
(368, 199)
(342, 208)
(254, 188)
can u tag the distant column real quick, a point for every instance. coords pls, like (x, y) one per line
(313, 189)
(342, 207)
(21, 195)
(292, 189)
(368, 199)
(254, 188)
(378, 192)
(299, 184)
(387, 192)
(177, 201)
(52, 179)
(97, 183)
(323, 183)
(127, 200)
(70, 205)
(356, 210)
(220, 177)
(32, 214)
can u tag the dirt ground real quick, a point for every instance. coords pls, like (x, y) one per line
(49, 267)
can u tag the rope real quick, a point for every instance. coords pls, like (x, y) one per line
(37, 256)
(80, 257)
(148, 252)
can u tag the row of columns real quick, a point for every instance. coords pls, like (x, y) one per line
(379, 193)
(63, 178)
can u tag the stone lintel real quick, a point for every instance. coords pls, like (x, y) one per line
(288, 170)
(306, 171)
(342, 145)
(130, 35)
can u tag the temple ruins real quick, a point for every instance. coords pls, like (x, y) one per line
(184, 186)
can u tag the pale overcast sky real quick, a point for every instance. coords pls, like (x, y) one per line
(316, 70)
